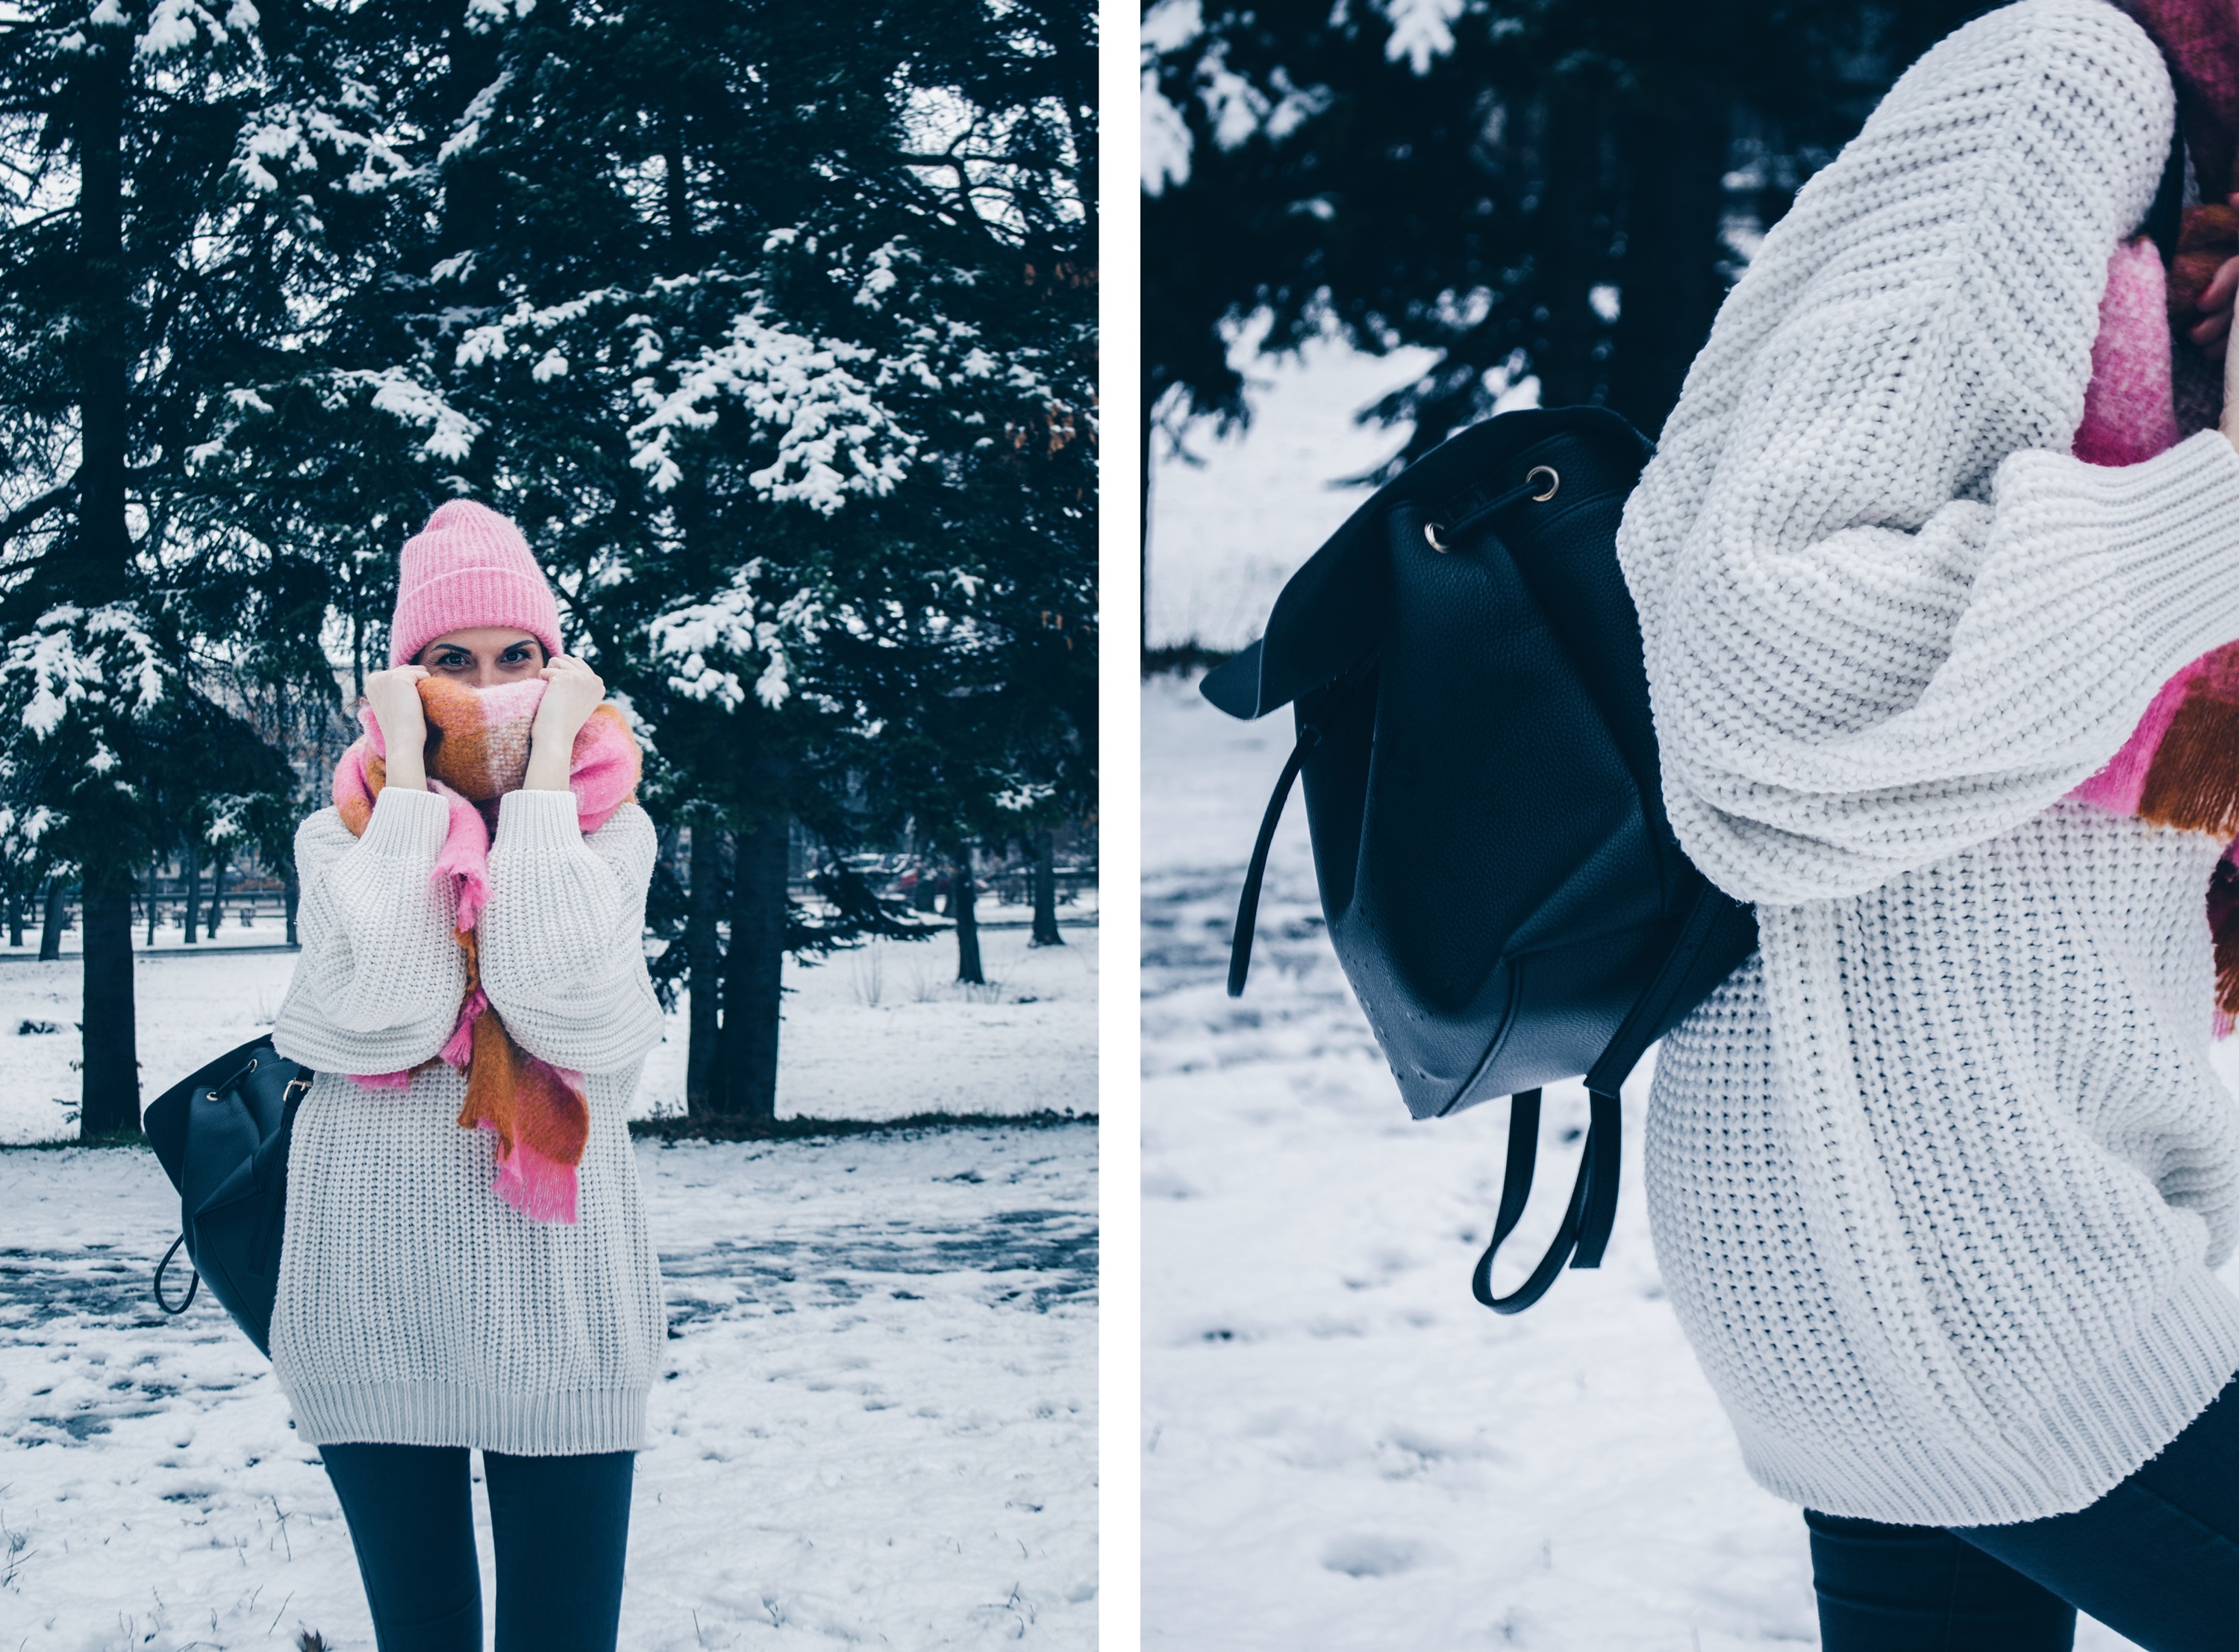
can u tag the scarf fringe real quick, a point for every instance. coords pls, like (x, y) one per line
(540, 1188)
(2193, 781)
(459, 1051)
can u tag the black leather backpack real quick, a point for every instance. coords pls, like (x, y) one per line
(222, 1134)
(1502, 887)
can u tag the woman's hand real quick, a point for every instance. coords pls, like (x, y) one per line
(2229, 422)
(395, 696)
(572, 693)
(2213, 333)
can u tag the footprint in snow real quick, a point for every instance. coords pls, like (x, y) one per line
(1369, 1554)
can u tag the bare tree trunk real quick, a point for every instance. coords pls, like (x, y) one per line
(963, 903)
(1046, 890)
(1143, 523)
(15, 914)
(1672, 287)
(472, 181)
(110, 1094)
(703, 953)
(291, 892)
(58, 917)
(1572, 370)
(925, 893)
(97, 565)
(754, 980)
(677, 188)
(155, 871)
(192, 915)
(217, 893)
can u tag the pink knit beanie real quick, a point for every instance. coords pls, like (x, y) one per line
(468, 567)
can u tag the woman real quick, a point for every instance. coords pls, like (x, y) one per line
(1940, 1179)
(466, 1263)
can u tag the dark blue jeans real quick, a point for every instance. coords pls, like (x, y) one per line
(561, 1527)
(2157, 1559)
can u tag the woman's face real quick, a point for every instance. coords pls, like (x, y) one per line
(483, 656)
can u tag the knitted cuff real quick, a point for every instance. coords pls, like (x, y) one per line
(538, 821)
(407, 824)
(2172, 524)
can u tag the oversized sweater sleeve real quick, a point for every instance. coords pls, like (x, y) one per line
(1886, 616)
(378, 985)
(563, 934)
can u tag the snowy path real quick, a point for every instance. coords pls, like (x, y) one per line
(878, 1423)
(1341, 1449)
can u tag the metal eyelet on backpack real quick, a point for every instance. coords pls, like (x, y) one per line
(1431, 532)
(1554, 482)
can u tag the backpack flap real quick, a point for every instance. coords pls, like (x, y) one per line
(235, 1234)
(222, 1135)
(1325, 623)
(1479, 837)
(166, 1119)
(1333, 612)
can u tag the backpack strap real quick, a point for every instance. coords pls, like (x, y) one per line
(1589, 1215)
(1714, 936)
(1247, 909)
(1337, 697)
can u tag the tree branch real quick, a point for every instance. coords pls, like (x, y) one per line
(22, 518)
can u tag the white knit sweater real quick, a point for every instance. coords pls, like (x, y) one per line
(1937, 1185)
(416, 1307)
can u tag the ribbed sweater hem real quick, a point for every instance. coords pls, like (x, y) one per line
(568, 1423)
(2181, 1359)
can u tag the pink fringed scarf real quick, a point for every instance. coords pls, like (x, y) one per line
(2180, 768)
(478, 744)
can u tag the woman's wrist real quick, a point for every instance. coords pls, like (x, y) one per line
(551, 754)
(406, 770)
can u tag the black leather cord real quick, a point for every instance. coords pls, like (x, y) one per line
(1526, 489)
(194, 1283)
(1247, 909)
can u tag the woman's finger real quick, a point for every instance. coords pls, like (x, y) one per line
(2207, 332)
(2231, 420)
(2216, 295)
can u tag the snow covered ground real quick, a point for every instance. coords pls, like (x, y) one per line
(878, 1423)
(1340, 1448)
(882, 1032)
